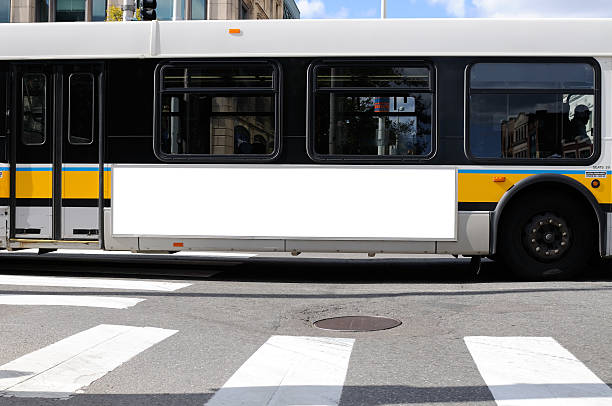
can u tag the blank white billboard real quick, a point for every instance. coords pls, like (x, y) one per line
(279, 201)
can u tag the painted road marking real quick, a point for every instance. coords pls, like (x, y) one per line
(108, 302)
(62, 368)
(290, 371)
(126, 284)
(530, 371)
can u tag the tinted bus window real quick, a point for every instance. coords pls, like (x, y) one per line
(81, 109)
(373, 111)
(532, 111)
(214, 109)
(34, 97)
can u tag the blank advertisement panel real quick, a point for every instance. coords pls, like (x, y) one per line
(278, 201)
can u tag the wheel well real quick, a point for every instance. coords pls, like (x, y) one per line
(547, 187)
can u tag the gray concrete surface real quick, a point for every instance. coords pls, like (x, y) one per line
(234, 306)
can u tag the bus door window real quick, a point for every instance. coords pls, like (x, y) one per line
(81, 110)
(34, 123)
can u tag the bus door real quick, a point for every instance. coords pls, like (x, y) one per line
(4, 132)
(55, 151)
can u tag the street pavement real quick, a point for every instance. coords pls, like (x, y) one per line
(232, 330)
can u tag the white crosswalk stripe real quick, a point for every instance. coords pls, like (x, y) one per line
(62, 368)
(535, 371)
(103, 283)
(290, 371)
(106, 301)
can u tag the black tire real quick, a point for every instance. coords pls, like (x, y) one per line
(548, 236)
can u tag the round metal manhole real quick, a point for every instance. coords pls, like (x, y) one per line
(357, 323)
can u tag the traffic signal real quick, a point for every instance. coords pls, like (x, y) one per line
(147, 10)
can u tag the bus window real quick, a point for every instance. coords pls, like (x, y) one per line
(202, 124)
(81, 109)
(372, 111)
(34, 93)
(531, 111)
(212, 109)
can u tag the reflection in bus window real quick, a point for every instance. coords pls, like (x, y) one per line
(218, 76)
(531, 125)
(368, 125)
(196, 124)
(34, 92)
(217, 109)
(546, 123)
(81, 109)
(373, 111)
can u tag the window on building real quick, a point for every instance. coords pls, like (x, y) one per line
(99, 10)
(42, 11)
(371, 111)
(217, 109)
(70, 10)
(244, 11)
(198, 10)
(165, 9)
(34, 117)
(532, 110)
(5, 11)
(81, 111)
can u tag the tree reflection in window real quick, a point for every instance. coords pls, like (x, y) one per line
(373, 111)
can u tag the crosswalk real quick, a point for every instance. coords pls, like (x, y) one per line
(60, 369)
(284, 370)
(101, 301)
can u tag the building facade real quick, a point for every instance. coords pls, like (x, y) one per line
(27, 11)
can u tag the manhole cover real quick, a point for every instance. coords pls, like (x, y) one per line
(357, 323)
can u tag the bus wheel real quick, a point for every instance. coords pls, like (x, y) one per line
(546, 237)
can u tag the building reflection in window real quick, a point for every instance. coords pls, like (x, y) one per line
(534, 126)
(532, 110)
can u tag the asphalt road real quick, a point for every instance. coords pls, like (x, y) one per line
(233, 306)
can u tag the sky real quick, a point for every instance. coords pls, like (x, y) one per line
(454, 8)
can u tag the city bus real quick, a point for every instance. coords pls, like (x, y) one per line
(473, 137)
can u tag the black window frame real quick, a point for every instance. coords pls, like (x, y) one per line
(369, 62)
(596, 92)
(275, 91)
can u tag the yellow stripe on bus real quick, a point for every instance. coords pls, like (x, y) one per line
(480, 187)
(39, 184)
(5, 184)
(83, 184)
(33, 184)
(473, 187)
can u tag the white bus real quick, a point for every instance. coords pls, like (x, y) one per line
(467, 137)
